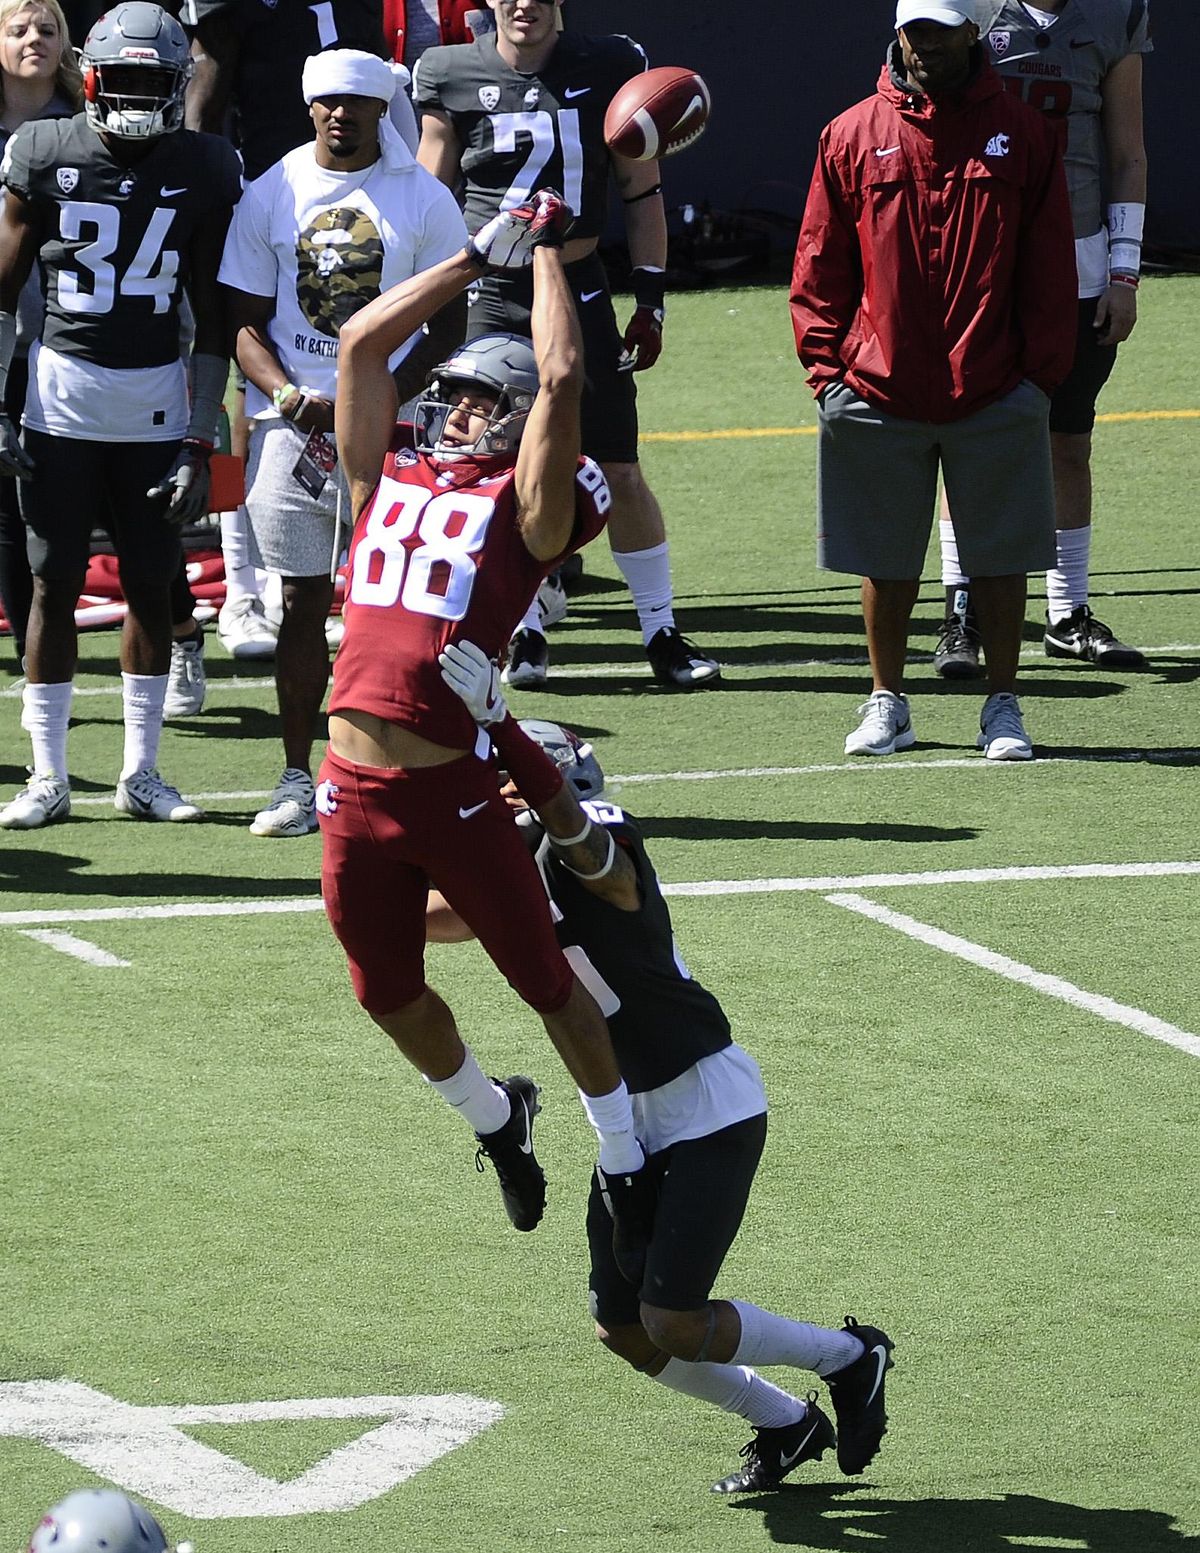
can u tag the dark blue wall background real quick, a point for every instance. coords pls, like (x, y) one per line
(780, 71)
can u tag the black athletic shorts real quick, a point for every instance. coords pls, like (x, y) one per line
(704, 1184)
(79, 486)
(1073, 403)
(502, 304)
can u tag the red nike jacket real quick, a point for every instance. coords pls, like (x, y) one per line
(936, 261)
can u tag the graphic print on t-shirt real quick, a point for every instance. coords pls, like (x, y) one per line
(339, 267)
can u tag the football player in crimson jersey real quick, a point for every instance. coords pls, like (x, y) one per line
(523, 106)
(453, 535)
(699, 1108)
(123, 208)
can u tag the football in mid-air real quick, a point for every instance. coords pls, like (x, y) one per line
(657, 113)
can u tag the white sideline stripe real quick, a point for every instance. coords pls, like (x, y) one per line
(642, 670)
(1053, 986)
(67, 943)
(702, 887)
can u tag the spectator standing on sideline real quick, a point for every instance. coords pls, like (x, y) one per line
(700, 1111)
(319, 235)
(412, 26)
(523, 106)
(1082, 65)
(933, 303)
(39, 79)
(119, 205)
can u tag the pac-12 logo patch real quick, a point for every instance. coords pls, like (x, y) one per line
(999, 43)
(68, 179)
(489, 97)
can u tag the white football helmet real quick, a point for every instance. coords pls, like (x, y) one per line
(575, 759)
(98, 1520)
(505, 365)
(136, 65)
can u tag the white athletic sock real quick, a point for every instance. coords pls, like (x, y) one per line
(648, 574)
(45, 717)
(242, 577)
(734, 1389)
(142, 696)
(1067, 583)
(953, 575)
(770, 1339)
(531, 620)
(480, 1103)
(612, 1118)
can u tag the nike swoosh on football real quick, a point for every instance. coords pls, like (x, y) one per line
(880, 1353)
(590, 296)
(465, 814)
(167, 194)
(576, 91)
(789, 1461)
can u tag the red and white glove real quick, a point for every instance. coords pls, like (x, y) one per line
(475, 680)
(507, 242)
(643, 336)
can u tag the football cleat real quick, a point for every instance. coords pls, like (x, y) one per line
(510, 1149)
(857, 1393)
(1081, 635)
(679, 663)
(98, 1520)
(1002, 733)
(774, 1453)
(528, 660)
(632, 1200)
(956, 655)
(43, 800)
(145, 796)
(292, 810)
(186, 680)
(552, 601)
(885, 728)
(244, 630)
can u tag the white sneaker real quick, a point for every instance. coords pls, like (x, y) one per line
(335, 629)
(1002, 734)
(244, 629)
(293, 807)
(42, 801)
(186, 680)
(552, 601)
(146, 796)
(885, 728)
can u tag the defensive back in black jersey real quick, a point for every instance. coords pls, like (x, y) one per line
(114, 240)
(272, 42)
(663, 1020)
(525, 132)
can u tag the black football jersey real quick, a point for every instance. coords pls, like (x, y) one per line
(664, 1021)
(520, 132)
(273, 41)
(114, 240)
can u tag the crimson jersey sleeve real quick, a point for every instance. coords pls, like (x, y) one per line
(437, 557)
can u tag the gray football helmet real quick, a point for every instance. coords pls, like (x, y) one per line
(98, 1520)
(504, 364)
(575, 759)
(136, 65)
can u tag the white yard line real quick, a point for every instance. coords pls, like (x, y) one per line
(78, 948)
(1052, 986)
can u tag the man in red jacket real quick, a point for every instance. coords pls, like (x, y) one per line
(933, 300)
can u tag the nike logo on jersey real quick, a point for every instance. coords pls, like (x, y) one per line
(1082, 43)
(590, 296)
(789, 1458)
(167, 194)
(886, 150)
(465, 814)
(576, 91)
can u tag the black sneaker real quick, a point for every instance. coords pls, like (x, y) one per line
(632, 1200)
(680, 663)
(570, 572)
(1081, 635)
(528, 659)
(773, 1453)
(956, 655)
(857, 1393)
(510, 1149)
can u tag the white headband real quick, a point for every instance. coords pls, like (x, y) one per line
(347, 73)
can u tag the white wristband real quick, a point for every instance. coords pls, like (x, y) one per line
(1125, 222)
(600, 872)
(1125, 256)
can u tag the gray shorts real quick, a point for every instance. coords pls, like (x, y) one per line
(291, 531)
(877, 481)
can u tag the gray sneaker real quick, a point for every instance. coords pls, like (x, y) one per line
(292, 810)
(186, 680)
(885, 728)
(1002, 734)
(145, 796)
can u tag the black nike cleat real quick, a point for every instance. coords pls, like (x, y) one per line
(510, 1149)
(1081, 635)
(857, 1394)
(773, 1453)
(632, 1200)
(680, 664)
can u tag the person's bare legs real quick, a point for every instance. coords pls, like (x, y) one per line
(1000, 610)
(887, 605)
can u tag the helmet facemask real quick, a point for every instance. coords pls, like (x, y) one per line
(500, 437)
(135, 99)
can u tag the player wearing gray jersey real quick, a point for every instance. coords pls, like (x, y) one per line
(1080, 61)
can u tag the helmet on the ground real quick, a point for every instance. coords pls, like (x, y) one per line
(136, 65)
(575, 759)
(505, 365)
(98, 1520)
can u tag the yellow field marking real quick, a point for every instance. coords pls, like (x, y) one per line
(738, 433)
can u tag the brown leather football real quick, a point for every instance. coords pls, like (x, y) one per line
(657, 113)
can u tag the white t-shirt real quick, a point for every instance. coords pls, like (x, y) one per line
(325, 243)
(69, 396)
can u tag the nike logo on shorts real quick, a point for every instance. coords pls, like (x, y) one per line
(465, 814)
(576, 91)
(590, 296)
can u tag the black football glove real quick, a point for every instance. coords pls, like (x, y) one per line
(13, 458)
(184, 488)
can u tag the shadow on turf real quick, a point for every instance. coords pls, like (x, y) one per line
(795, 1515)
(62, 874)
(693, 828)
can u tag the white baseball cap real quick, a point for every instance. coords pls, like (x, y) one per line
(918, 11)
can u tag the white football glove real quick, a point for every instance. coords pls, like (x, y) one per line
(475, 679)
(508, 240)
(13, 458)
(184, 487)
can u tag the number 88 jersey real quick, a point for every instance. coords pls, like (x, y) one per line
(115, 239)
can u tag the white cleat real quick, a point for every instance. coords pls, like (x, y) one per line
(244, 629)
(1002, 734)
(552, 601)
(293, 807)
(186, 680)
(335, 629)
(42, 801)
(145, 796)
